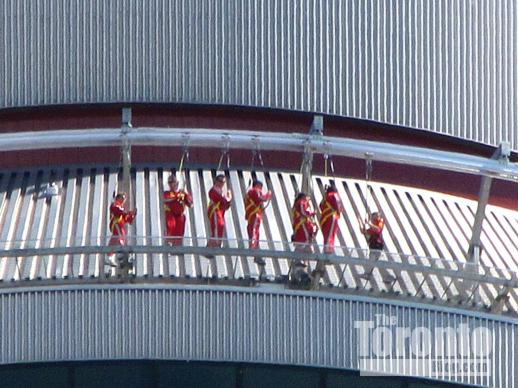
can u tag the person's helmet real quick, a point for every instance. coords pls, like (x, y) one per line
(331, 188)
(300, 196)
(376, 216)
(172, 179)
(120, 196)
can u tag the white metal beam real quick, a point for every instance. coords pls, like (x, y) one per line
(501, 155)
(273, 141)
(456, 273)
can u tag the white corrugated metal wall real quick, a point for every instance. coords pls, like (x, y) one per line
(234, 325)
(447, 66)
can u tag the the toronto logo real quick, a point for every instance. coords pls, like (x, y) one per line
(385, 345)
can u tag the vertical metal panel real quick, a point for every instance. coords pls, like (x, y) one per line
(450, 67)
(233, 325)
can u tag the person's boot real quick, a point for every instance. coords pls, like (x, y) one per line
(318, 271)
(209, 255)
(110, 261)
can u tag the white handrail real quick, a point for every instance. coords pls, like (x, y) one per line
(351, 256)
(272, 141)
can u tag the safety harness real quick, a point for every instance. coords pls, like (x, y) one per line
(327, 212)
(213, 207)
(377, 238)
(251, 206)
(115, 220)
(303, 219)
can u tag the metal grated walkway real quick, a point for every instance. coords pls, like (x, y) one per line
(419, 225)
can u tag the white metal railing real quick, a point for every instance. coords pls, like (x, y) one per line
(239, 139)
(345, 256)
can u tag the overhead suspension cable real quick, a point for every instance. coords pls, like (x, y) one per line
(368, 177)
(225, 152)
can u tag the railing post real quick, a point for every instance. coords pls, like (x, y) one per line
(316, 131)
(126, 155)
(501, 154)
(126, 180)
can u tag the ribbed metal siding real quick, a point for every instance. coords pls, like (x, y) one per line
(447, 66)
(218, 325)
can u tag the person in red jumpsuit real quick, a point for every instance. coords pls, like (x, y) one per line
(331, 208)
(119, 217)
(373, 231)
(175, 201)
(218, 204)
(254, 209)
(304, 228)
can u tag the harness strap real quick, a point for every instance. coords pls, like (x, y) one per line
(299, 225)
(213, 207)
(115, 220)
(328, 212)
(303, 220)
(251, 205)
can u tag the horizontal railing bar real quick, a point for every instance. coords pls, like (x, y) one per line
(272, 141)
(469, 275)
(37, 245)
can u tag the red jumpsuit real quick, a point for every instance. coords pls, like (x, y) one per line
(174, 205)
(254, 214)
(331, 207)
(303, 228)
(118, 220)
(216, 213)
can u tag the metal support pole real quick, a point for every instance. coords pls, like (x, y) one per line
(501, 154)
(126, 155)
(316, 130)
(126, 179)
(476, 231)
(307, 165)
